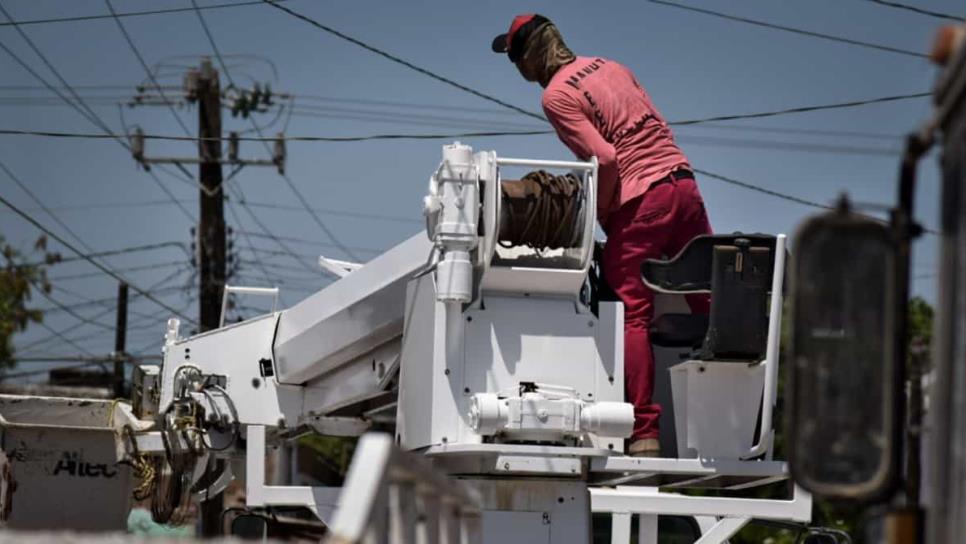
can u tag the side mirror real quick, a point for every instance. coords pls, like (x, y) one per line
(844, 392)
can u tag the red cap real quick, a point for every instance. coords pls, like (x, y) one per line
(513, 41)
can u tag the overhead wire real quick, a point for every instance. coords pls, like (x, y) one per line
(81, 107)
(111, 303)
(261, 226)
(685, 122)
(777, 194)
(799, 147)
(765, 24)
(297, 240)
(40, 203)
(144, 65)
(94, 262)
(85, 275)
(247, 238)
(295, 190)
(132, 13)
(802, 109)
(399, 60)
(340, 213)
(111, 252)
(435, 120)
(917, 9)
(73, 208)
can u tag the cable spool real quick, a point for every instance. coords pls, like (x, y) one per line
(542, 211)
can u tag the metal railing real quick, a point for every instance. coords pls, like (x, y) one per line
(397, 497)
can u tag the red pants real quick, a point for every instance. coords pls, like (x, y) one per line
(657, 224)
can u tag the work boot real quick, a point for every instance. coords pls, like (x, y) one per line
(645, 447)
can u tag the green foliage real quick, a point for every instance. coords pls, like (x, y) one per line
(334, 451)
(17, 281)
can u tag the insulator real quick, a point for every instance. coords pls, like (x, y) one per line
(278, 156)
(233, 147)
(190, 83)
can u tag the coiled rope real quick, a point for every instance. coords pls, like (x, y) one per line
(542, 211)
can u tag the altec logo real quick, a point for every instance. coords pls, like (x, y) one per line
(72, 464)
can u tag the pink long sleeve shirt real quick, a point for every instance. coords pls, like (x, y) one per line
(599, 109)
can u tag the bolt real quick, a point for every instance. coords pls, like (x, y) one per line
(610, 379)
(256, 383)
(469, 318)
(506, 466)
(446, 372)
(466, 390)
(590, 323)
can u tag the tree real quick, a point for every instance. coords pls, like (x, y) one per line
(18, 280)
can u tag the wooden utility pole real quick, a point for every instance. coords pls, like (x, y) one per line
(211, 223)
(202, 85)
(120, 340)
(211, 236)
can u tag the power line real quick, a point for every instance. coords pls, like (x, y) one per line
(111, 300)
(793, 30)
(298, 194)
(95, 263)
(247, 238)
(40, 203)
(415, 119)
(805, 131)
(686, 122)
(393, 103)
(144, 65)
(96, 136)
(776, 194)
(109, 253)
(403, 62)
(41, 87)
(111, 308)
(70, 208)
(408, 119)
(916, 9)
(339, 213)
(307, 241)
(81, 107)
(802, 109)
(763, 190)
(770, 145)
(268, 232)
(130, 14)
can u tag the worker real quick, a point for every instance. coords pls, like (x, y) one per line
(647, 200)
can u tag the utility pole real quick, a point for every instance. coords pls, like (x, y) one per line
(202, 86)
(120, 340)
(211, 236)
(211, 222)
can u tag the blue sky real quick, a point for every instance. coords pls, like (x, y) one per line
(693, 65)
